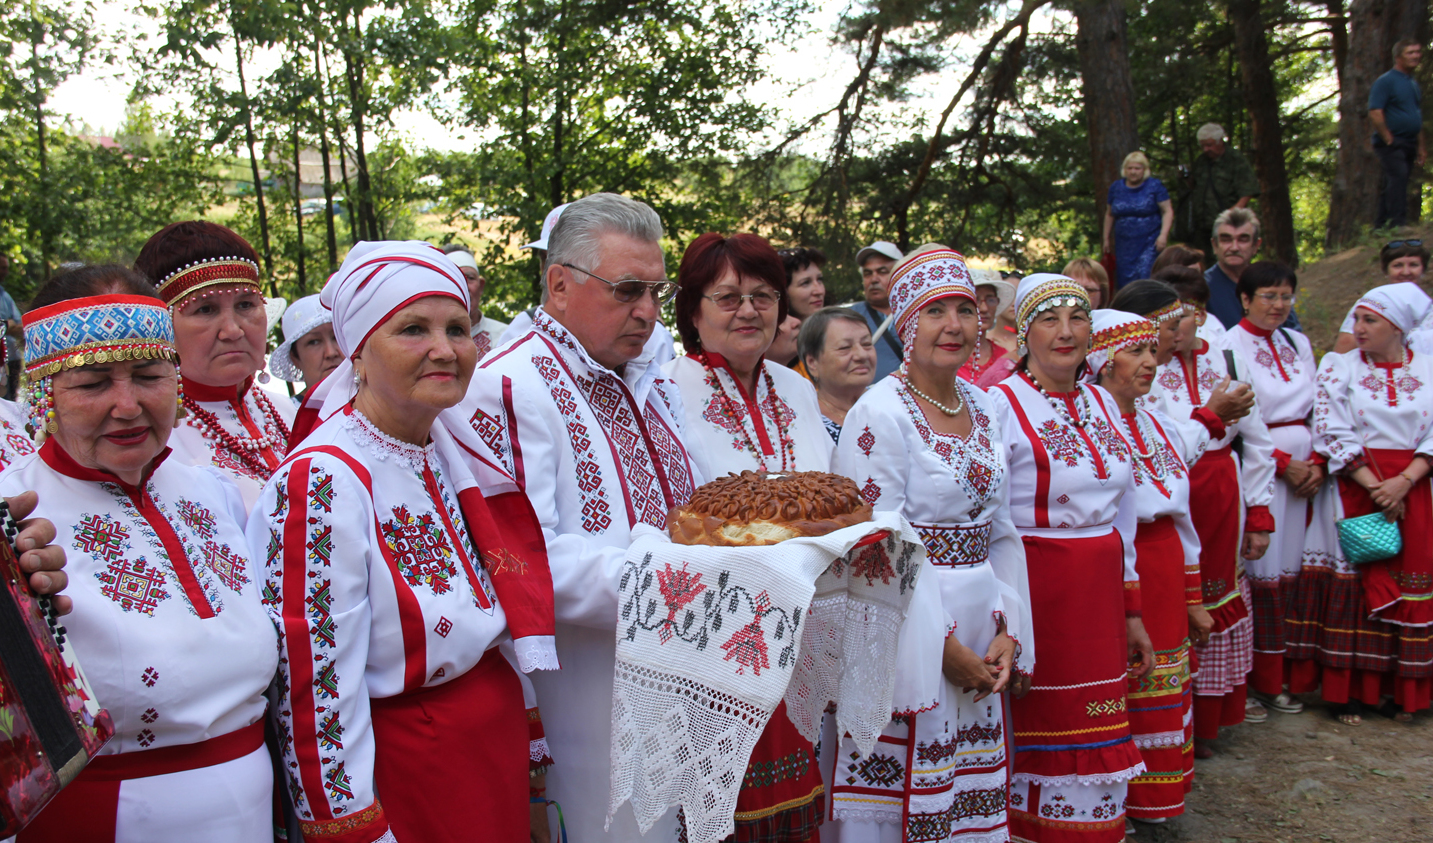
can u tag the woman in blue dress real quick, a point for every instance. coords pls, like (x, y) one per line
(1137, 220)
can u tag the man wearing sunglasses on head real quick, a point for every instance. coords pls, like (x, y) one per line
(1404, 262)
(592, 437)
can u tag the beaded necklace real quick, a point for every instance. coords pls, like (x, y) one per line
(1061, 410)
(787, 446)
(949, 411)
(1139, 434)
(246, 449)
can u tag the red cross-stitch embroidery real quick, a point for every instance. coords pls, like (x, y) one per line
(678, 589)
(1060, 443)
(444, 627)
(199, 518)
(320, 492)
(872, 563)
(227, 565)
(319, 603)
(150, 677)
(136, 586)
(866, 441)
(101, 537)
(493, 432)
(484, 344)
(596, 511)
(1171, 380)
(748, 645)
(421, 550)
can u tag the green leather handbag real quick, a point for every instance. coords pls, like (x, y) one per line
(1369, 538)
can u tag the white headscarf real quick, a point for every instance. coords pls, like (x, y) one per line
(377, 280)
(1402, 304)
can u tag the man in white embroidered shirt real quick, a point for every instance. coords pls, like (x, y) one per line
(596, 448)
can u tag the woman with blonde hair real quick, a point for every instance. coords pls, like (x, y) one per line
(1138, 217)
(1092, 277)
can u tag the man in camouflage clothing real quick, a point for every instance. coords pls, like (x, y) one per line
(1220, 179)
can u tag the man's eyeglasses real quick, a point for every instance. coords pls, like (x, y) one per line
(763, 299)
(628, 292)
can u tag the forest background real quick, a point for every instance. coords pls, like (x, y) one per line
(279, 118)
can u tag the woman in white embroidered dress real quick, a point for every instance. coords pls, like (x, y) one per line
(209, 277)
(167, 619)
(1230, 498)
(1167, 548)
(387, 576)
(1072, 500)
(1370, 623)
(924, 443)
(1281, 369)
(745, 413)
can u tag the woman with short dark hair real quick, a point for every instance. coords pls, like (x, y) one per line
(835, 347)
(744, 412)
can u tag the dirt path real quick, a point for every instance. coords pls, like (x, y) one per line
(1307, 777)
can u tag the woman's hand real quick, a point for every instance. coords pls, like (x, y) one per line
(1230, 405)
(1159, 243)
(1141, 650)
(966, 670)
(1387, 494)
(1255, 544)
(1201, 623)
(1311, 482)
(43, 561)
(1001, 655)
(540, 832)
(1020, 685)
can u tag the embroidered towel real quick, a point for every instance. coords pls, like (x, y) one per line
(708, 640)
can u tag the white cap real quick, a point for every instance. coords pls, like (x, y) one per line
(464, 258)
(547, 224)
(884, 248)
(303, 316)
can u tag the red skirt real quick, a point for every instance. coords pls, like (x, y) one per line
(1073, 721)
(782, 797)
(1158, 702)
(1368, 633)
(1224, 663)
(451, 762)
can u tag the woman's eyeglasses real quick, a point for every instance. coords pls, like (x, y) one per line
(764, 299)
(628, 292)
(1398, 244)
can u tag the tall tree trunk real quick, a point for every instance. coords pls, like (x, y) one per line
(1261, 100)
(42, 160)
(324, 157)
(353, 67)
(1374, 26)
(266, 249)
(1109, 94)
(299, 213)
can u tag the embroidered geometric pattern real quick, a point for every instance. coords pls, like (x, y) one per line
(768, 773)
(973, 462)
(1111, 442)
(871, 491)
(610, 404)
(1060, 442)
(136, 586)
(493, 432)
(320, 492)
(227, 565)
(962, 544)
(1097, 708)
(330, 731)
(101, 536)
(933, 753)
(866, 441)
(199, 519)
(877, 769)
(420, 549)
(596, 511)
(978, 803)
(320, 544)
(671, 454)
(319, 604)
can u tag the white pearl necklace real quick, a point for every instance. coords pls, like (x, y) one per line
(1079, 419)
(949, 411)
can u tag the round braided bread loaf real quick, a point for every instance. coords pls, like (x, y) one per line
(754, 509)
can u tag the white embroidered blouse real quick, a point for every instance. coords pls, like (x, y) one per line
(596, 453)
(14, 441)
(728, 430)
(956, 494)
(1067, 480)
(1363, 405)
(377, 591)
(1180, 390)
(167, 618)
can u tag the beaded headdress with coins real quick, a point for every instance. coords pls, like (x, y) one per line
(1174, 310)
(1041, 292)
(85, 331)
(202, 277)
